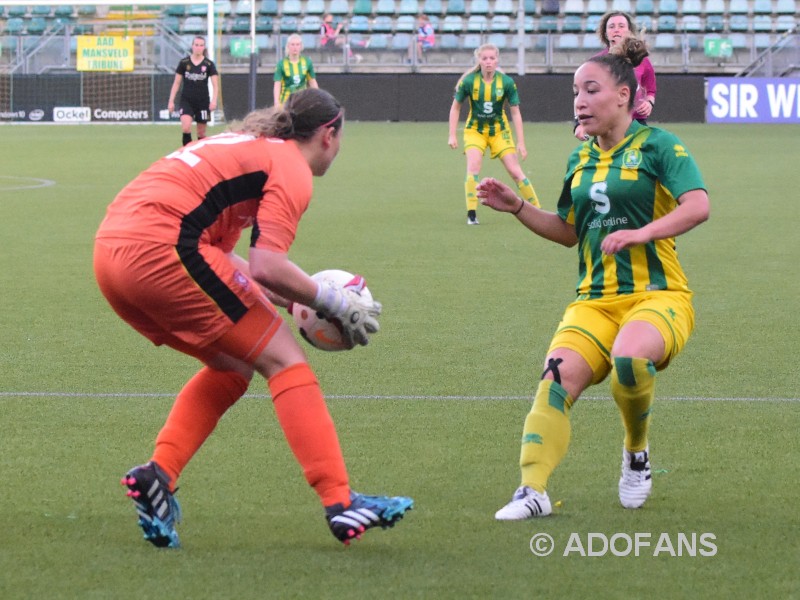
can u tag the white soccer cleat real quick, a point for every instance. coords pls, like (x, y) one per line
(472, 221)
(636, 480)
(527, 503)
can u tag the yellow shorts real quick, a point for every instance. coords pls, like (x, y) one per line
(499, 144)
(589, 327)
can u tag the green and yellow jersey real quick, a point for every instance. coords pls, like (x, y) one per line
(293, 76)
(627, 187)
(486, 114)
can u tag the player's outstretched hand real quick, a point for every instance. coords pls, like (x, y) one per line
(497, 195)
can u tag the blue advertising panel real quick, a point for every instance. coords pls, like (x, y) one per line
(753, 100)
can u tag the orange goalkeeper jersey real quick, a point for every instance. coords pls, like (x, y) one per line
(209, 191)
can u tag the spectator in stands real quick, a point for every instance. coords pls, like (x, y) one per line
(614, 27)
(633, 308)
(294, 72)
(425, 40)
(330, 35)
(194, 72)
(487, 90)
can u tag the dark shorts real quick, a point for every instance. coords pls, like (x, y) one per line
(197, 109)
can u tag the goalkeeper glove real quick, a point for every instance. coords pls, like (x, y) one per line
(356, 314)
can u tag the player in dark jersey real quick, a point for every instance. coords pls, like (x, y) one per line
(628, 192)
(194, 72)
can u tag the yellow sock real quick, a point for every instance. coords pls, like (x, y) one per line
(528, 193)
(545, 438)
(470, 187)
(633, 385)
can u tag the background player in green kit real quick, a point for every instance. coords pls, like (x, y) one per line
(628, 192)
(195, 72)
(487, 125)
(294, 72)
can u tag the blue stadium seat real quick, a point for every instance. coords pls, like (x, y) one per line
(622, 5)
(311, 24)
(504, 7)
(785, 23)
(452, 24)
(289, 24)
(264, 24)
(762, 23)
(401, 41)
(41, 10)
(339, 7)
(666, 24)
(591, 42)
(667, 7)
(500, 24)
(291, 7)
(787, 7)
(385, 7)
(592, 23)
(596, 7)
(666, 41)
(240, 24)
(223, 7)
(36, 26)
(268, 7)
(408, 7)
(498, 39)
(691, 7)
(548, 24)
(739, 23)
(433, 7)
(359, 24)
(64, 10)
(479, 7)
(574, 7)
(549, 7)
(197, 10)
(644, 7)
(15, 26)
(762, 40)
(572, 24)
(448, 41)
(456, 7)
(176, 10)
(16, 11)
(692, 24)
(362, 7)
(405, 23)
(383, 24)
(568, 41)
(529, 6)
(477, 23)
(316, 7)
(190, 25)
(762, 7)
(471, 41)
(715, 23)
(717, 7)
(378, 41)
(737, 7)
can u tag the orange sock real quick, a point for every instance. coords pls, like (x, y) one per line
(310, 431)
(195, 414)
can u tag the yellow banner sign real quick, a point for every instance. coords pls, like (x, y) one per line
(105, 53)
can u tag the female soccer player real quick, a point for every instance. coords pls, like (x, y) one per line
(487, 125)
(164, 260)
(294, 72)
(194, 72)
(627, 194)
(614, 27)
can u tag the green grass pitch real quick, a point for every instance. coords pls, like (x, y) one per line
(433, 408)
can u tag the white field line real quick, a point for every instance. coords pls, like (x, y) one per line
(429, 398)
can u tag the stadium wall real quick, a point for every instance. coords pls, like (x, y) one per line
(379, 97)
(367, 97)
